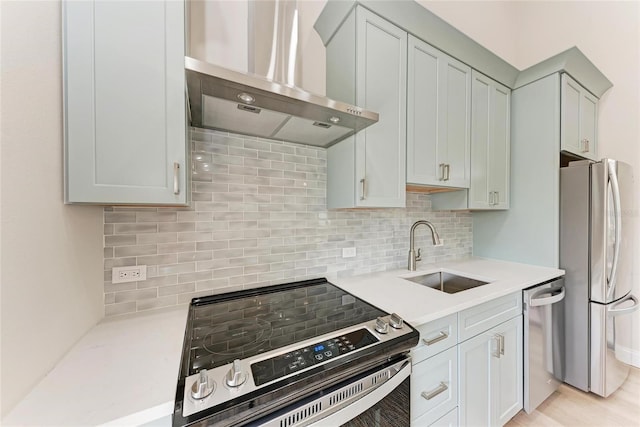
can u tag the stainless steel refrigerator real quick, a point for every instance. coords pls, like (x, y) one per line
(596, 252)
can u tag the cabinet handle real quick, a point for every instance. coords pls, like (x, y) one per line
(364, 189)
(500, 344)
(491, 198)
(442, 166)
(176, 178)
(443, 335)
(448, 168)
(496, 198)
(433, 393)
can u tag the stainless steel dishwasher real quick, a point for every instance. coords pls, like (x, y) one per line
(543, 341)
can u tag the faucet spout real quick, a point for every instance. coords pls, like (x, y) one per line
(412, 254)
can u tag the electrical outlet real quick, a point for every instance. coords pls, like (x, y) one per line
(348, 252)
(128, 274)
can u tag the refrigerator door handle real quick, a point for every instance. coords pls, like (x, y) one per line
(535, 301)
(615, 187)
(627, 310)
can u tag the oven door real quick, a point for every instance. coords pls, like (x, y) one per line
(376, 398)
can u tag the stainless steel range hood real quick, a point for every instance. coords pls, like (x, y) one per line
(228, 100)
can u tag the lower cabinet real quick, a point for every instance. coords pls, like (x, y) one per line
(491, 375)
(467, 369)
(449, 420)
(434, 387)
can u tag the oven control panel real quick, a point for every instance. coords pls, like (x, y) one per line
(301, 358)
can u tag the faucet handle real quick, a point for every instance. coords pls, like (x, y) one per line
(418, 258)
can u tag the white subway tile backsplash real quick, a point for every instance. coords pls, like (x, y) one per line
(123, 240)
(113, 217)
(157, 260)
(158, 281)
(139, 250)
(155, 238)
(134, 228)
(259, 217)
(177, 289)
(137, 295)
(116, 309)
(151, 304)
(187, 267)
(195, 256)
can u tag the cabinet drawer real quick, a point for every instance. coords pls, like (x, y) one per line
(435, 336)
(449, 420)
(434, 386)
(480, 318)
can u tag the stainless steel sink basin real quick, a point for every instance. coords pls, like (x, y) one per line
(446, 282)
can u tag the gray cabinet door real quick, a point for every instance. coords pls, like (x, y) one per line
(125, 115)
(491, 375)
(579, 118)
(438, 118)
(475, 361)
(381, 85)
(508, 373)
(490, 144)
(367, 66)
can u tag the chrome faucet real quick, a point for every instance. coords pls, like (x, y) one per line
(413, 258)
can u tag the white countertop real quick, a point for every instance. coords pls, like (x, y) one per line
(124, 371)
(418, 304)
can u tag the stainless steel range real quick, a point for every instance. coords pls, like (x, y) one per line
(293, 355)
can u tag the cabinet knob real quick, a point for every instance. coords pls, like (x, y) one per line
(176, 178)
(500, 345)
(494, 198)
(441, 336)
(442, 387)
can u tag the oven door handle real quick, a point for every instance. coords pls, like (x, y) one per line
(359, 406)
(339, 406)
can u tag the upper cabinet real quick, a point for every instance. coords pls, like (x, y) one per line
(367, 66)
(579, 118)
(124, 97)
(490, 144)
(438, 118)
(490, 150)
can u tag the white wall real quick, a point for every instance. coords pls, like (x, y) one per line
(607, 32)
(51, 254)
(490, 23)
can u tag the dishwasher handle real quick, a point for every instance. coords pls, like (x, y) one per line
(537, 300)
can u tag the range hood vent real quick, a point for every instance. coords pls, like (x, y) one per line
(228, 100)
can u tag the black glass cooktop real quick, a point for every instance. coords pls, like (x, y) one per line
(237, 326)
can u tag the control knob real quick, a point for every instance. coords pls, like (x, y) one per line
(382, 326)
(236, 377)
(203, 386)
(396, 321)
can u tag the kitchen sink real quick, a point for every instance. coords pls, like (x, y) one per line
(446, 282)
